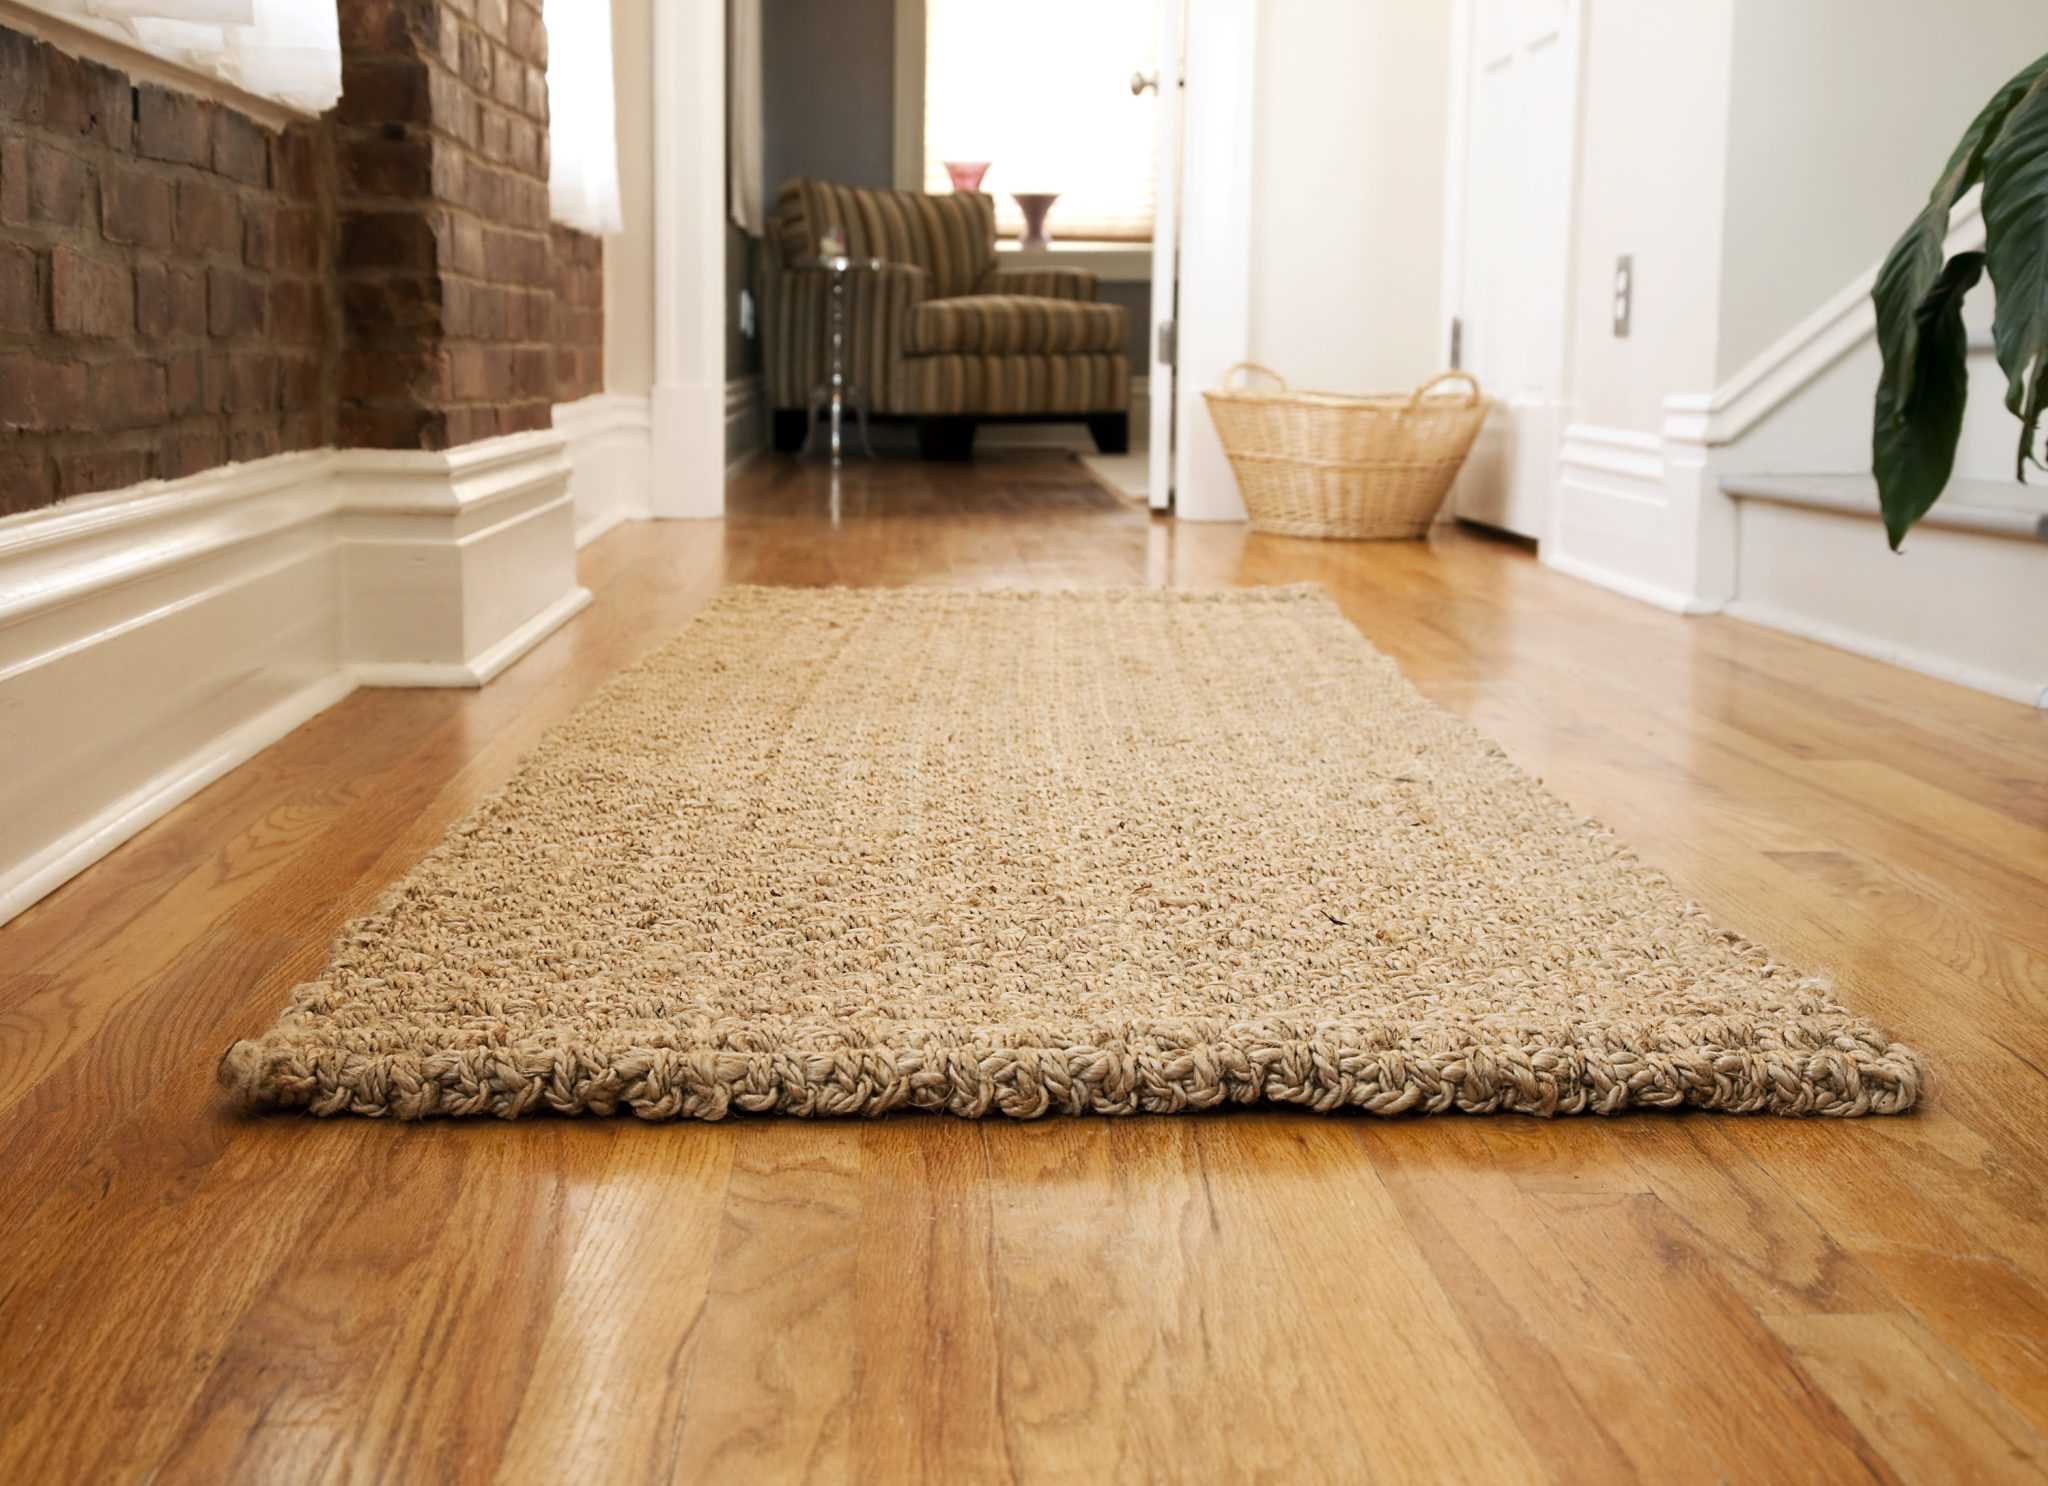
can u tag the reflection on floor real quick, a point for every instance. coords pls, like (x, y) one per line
(188, 1295)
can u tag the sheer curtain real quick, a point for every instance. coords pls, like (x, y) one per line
(288, 51)
(1044, 94)
(583, 145)
(743, 122)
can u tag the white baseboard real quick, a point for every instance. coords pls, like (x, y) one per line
(611, 450)
(688, 474)
(1626, 516)
(25, 882)
(746, 420)
(153, 638)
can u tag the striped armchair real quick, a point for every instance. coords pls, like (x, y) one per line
(941, 334)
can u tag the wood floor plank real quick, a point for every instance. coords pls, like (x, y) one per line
(186, 1294)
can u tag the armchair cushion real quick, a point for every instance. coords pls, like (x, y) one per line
(952, 237)
(1043, 283)
(1008, 324)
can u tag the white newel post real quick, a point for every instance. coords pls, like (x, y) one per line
(688, 399)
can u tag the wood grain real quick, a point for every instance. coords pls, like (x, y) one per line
(187, 1295)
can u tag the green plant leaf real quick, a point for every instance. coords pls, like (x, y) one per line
(1913, 451)
(2016, 253)
(1914, 263)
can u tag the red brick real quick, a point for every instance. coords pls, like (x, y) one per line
(252, 382)
(295, 161)
(379, 165)
(58, 183)
(13, 176)
(296, 311)
(40, 394)
(21, 295)
(185, 383)
(169, 302)
(188, 451)
(236, 303)
(395, 239)
(26, 480)
(388, 427)
(173, 126)
(300, 233)
(82, 471)
(241, 148)
(253, 441)
(209, 219)
(381, 90)
(129, 394)
(90, 298)
(137, 206)
(21, 74)
(301, 382)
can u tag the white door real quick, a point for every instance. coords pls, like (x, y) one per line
(1514, 88)
(1165, 256)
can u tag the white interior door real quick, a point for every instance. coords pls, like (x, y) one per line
(1515, 91)
(1165, 258)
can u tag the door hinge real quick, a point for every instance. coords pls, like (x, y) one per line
(1457, 342)
(1165, 352)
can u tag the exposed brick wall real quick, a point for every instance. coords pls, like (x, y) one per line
(579, 314)
(180, 287)
(442, 143)
(164, 281)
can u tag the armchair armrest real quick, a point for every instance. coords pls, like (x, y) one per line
(1041, 283)
(796, 326)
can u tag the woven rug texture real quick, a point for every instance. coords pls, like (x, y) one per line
(850, 851)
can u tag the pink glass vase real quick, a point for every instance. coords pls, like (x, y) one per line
(1034, 205)
(967, 174)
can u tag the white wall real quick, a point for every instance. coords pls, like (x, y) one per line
(1347, 241)
(1842, 113)
(1654, 107)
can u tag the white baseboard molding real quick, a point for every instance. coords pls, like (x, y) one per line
(746, 421)
(1960, 603)
(153, 638)
(611, 453)
(1871, 647)
(1676, 600)
(25, 882)
(1614, 522)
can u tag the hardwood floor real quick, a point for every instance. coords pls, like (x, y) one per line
(191, 1295)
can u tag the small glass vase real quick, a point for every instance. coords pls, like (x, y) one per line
(1035, 205)
(966, 174)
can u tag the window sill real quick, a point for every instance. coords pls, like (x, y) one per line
(1116, 263)
(83, 39)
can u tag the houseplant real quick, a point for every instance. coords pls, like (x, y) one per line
(1920, 396)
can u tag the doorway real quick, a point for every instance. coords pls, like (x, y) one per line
(1507, 239)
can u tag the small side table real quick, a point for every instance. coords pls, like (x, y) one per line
(831, 397)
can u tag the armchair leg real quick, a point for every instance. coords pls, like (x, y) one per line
(946, 438)
(790, 427)
(1111, 432)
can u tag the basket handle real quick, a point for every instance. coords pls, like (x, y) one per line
(1442, 377)
(1257, 367)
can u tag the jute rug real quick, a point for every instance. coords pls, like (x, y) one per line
(833, 853)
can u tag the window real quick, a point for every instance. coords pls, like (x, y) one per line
(288, 51)
(1043, 93)
(583, 146)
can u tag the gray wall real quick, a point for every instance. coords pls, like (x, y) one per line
(828, 75)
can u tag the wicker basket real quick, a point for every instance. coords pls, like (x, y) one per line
(1320, 464)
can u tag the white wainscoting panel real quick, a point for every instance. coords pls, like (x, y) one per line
(456, 561)
(153, 638)
(610, 438)
(746, 420)
(150, 640)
